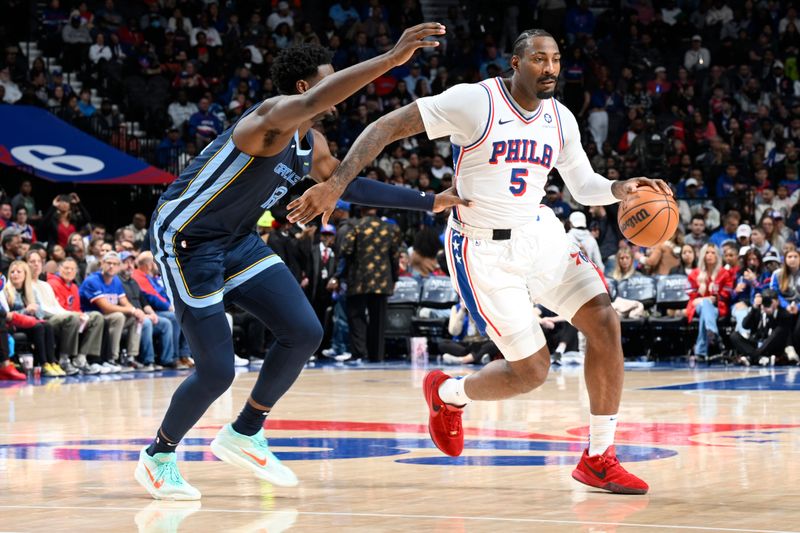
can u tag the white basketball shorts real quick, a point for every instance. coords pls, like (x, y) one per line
(500, 281)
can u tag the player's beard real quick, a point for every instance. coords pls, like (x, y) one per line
(544, 95)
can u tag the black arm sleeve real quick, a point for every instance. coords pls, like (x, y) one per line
(376, 194)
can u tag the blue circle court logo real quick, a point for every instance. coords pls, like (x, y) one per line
(478, 452)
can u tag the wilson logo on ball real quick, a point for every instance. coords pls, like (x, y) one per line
(640, 216)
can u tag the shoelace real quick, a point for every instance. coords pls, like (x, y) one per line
(169, 470)
(452, 420)
(610, 462)
(261, 444)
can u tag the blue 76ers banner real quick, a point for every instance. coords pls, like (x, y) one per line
(40, 143)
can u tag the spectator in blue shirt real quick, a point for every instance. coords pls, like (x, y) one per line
(85, 103)
(580, 22)
(728, 230)
(204, 126)
(692, 188)
(553, 200)
(102, 291)
(493, 57)
(727, 181)
(343, 14)
(170, 150)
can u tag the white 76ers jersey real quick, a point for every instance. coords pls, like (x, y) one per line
(502, 153)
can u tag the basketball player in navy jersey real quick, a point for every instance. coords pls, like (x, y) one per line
(204, 241)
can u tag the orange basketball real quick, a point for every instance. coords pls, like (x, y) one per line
(648, 217)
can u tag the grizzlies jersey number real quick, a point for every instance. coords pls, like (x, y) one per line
(222, 193)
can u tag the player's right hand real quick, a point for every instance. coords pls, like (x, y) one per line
(447, 199)
(622, 188)
(321, 198)
(413, 39)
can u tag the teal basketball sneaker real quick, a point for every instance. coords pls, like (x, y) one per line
(252, 453)
(159, 475)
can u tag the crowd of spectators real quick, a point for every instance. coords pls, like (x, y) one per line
(705, 94)
(81, 302)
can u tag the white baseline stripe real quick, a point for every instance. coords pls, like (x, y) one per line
(417, 516)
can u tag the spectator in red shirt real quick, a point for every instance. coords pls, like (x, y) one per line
(64, 217)
(710, 293)
(5, 215)
(91, 329)
(660, 85)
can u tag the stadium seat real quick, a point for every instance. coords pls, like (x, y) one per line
(406, 290)
(402, 308)
(672, 335)
(437, 293)
(639, 288)
(635, 340)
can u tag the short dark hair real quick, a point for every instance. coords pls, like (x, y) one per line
(522, 40)
(7, 238)
(698, 217)
(296, 63)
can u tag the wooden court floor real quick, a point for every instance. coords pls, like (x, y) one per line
(718, 447)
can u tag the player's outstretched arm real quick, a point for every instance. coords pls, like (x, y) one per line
(321, 198)
(373, 193)
(279, 117)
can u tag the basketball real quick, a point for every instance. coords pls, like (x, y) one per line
(648, 217)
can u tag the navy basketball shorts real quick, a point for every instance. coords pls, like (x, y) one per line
(199, 274)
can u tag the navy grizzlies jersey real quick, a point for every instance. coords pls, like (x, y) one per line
(220, 196)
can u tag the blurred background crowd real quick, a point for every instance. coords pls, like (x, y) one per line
(702, 93)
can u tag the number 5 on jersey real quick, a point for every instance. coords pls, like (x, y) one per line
(518, 183)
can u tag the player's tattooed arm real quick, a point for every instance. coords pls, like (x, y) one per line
(399, 124)
(321, 198)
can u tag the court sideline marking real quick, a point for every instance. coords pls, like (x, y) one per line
(412, 516)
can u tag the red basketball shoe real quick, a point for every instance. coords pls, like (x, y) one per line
(605, 472)
(9, 372)
(444, 421)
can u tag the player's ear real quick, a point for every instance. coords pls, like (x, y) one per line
(515, 62)
(301, 86)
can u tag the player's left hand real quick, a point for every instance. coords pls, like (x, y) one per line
(413, 39)
(320, 198)
(447, 199)
(620, 189)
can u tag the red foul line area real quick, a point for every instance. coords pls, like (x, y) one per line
(645, 433)
(383, 427)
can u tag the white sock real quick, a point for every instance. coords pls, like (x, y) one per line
(452, 392)
(601, 433)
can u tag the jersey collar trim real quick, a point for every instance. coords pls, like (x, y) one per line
(518, 111)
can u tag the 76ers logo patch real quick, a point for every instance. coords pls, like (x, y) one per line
(548, 118)
(578, 257)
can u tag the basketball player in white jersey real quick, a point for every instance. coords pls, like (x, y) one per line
(506, 250)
